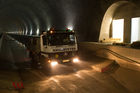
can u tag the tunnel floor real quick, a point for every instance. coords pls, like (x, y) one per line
(80, 81)
(70, 78)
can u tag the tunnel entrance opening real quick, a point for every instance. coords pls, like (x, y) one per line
(135, 29)
(118, 29)
(121, 32)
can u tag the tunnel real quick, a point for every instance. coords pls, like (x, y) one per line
(24, 17)
(33, 17)
(69, 46)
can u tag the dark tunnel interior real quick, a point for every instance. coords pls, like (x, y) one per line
(40, 53)
(30, 17)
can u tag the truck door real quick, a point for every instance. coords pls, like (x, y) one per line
(44, 43)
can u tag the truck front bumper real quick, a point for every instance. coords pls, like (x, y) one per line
(54, 62)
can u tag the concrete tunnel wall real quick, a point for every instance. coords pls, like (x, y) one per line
(12, 50)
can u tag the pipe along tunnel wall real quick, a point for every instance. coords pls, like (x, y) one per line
(125, 57)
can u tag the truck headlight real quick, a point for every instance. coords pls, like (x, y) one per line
(75, 60)
(54, 63)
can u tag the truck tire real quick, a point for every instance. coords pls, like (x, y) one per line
(44, 63)
(35, 60)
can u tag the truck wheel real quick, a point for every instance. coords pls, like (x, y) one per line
(35, 61)
(45, 65)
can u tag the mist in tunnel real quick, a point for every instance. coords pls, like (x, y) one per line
(30, 17)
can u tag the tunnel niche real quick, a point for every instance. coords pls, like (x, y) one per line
(117, 24)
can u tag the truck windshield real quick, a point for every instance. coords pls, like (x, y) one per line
(61, 39)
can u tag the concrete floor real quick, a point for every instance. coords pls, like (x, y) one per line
(70, 78)
(73, 79)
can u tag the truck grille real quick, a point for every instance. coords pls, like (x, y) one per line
(64, 49)
(64, 55)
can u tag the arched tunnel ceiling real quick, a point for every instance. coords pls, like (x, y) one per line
(39, 15)
(30, 16)
(34, 16)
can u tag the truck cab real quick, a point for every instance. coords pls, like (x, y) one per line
(59, 46)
